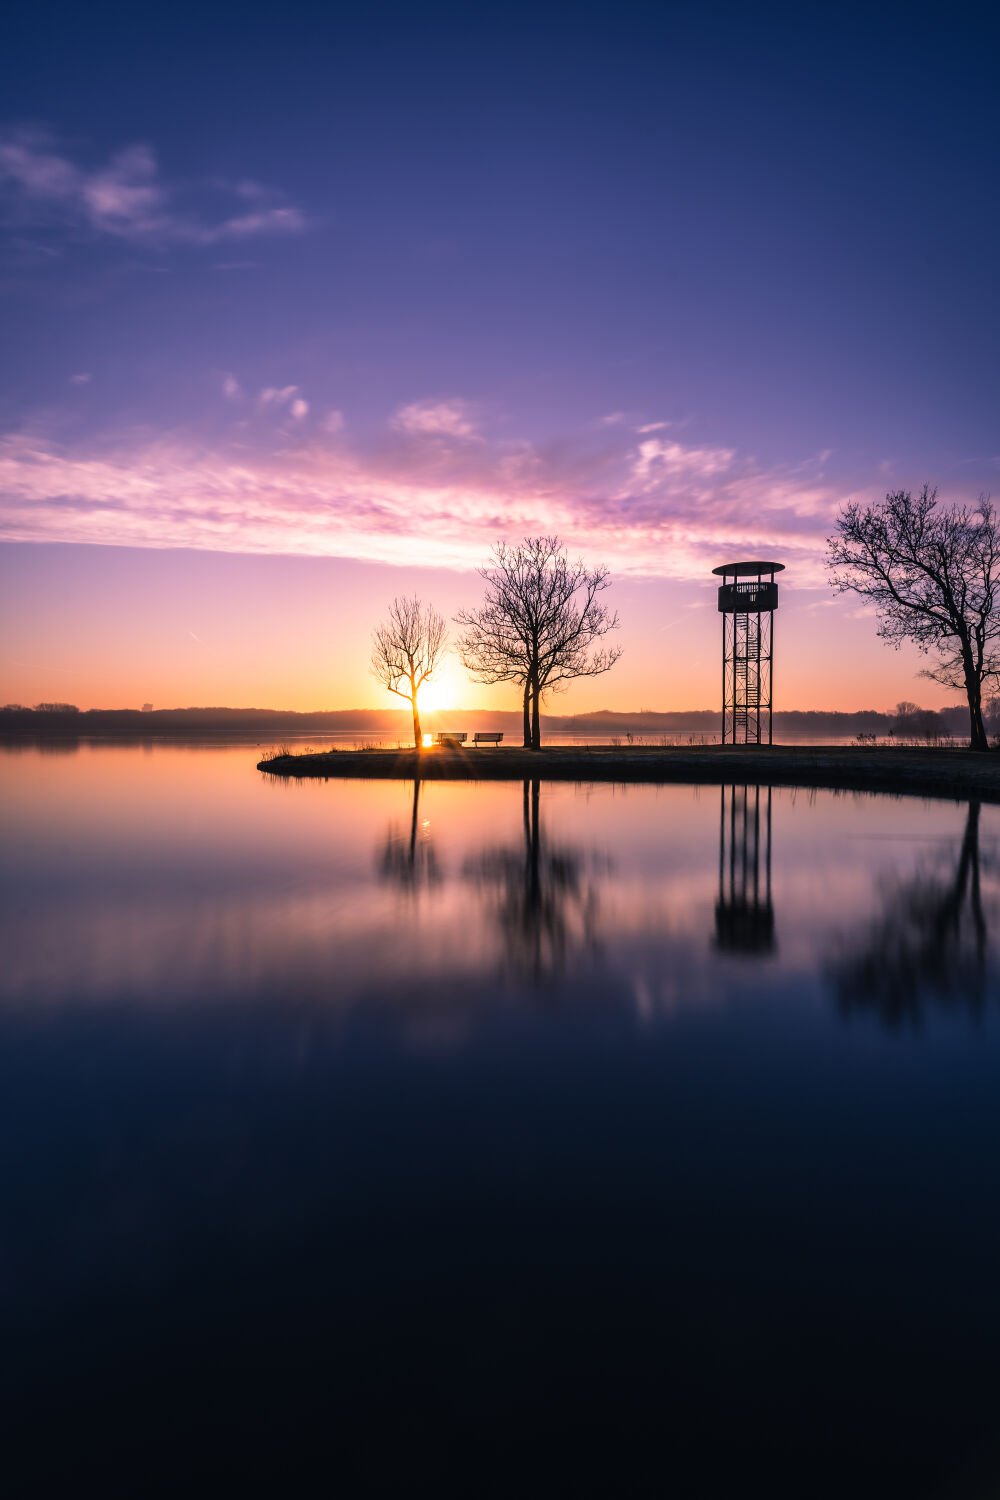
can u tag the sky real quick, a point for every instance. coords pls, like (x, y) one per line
(304, 307)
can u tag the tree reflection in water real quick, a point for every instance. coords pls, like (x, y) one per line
(407, 858)
(930, 944)
(546, 907)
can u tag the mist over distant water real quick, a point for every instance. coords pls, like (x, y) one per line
(390, 725)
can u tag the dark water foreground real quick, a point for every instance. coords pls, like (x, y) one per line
(515, 1139)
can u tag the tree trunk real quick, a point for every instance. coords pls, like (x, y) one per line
(979, 740)
(418, 739)
(527, 714)
(536, 726)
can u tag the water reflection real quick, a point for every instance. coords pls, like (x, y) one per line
(544, 895)
(158, 878)
(744, 915)
(657, 1192)
(408, 858)
(930, 943)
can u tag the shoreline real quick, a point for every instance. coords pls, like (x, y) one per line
(953, 774)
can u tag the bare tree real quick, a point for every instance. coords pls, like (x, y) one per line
(539, 624)
(407, 649)
(932, 573)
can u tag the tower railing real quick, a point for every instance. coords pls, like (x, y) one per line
(752, 594)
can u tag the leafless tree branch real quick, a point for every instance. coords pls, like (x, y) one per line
(539, 624)
(407, 649)
(932, 573)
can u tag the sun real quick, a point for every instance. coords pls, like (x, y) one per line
(448, 690)
(430, 697)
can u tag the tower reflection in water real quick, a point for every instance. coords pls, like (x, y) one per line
(744, 915)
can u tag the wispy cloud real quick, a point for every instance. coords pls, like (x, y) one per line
(268, 221)
(657, 458)
(333, 422)
(665, 514)
(43, 186)
(84, 378)
(231, 387)
(436, 419)
(273, 395)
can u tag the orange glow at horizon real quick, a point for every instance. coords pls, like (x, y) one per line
(114, 628)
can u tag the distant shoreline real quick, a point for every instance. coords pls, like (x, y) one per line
(954, 774)
(266, 725)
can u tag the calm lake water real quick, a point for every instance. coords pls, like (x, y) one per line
(499, 1139)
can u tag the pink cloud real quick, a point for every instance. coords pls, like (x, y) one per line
(269, 220)
(685, 516)
(39, 172)
(127, 197)
(657, 458)
(273, 395)
(436, 419)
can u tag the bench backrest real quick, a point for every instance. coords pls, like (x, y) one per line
(491, 739)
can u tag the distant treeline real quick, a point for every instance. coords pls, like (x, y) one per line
(789, 721)
(227, 723)
(59, 720)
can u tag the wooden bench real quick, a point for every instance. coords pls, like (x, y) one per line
(450, 737)
(486, 739)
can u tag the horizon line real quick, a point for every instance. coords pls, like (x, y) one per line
(437, 712)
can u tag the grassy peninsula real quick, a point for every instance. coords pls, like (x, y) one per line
(920, 772)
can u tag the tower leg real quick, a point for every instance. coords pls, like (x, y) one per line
(723, 679)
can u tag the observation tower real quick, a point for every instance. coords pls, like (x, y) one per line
(748, 597)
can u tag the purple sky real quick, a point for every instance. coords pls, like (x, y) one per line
(305, 309)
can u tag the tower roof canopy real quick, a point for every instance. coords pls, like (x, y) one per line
(749, 569)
